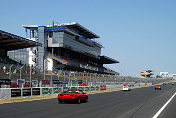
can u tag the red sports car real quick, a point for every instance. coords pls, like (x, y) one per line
(158, 87)
(77, 96)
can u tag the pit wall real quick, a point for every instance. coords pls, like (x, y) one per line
(6, 93)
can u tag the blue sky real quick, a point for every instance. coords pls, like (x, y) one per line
(141, 34)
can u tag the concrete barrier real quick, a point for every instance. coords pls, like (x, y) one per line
(6, 93)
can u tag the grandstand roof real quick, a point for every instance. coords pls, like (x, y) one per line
(10, 41)
(73, 25)
(108, 60)
(83, 29)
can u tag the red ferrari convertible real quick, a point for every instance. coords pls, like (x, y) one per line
(78, 96)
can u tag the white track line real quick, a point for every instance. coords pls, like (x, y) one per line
(158, 113)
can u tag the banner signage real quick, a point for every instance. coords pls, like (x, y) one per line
(102, 87)
(56, 82)
(97, 88)
(88, 67)
(35, 91)
(15, 92)
(55, 90)
(73, 88)
(59, 82)
(60, 89)
(21, 81)
(65, 89)
(80, 81)
(73, 81)
(46, 91)
(92, 88)
(63, 82)
(5, 81)
(81, 88)
(26, 92)
(87, 88)
(45, 82)
(34, 81)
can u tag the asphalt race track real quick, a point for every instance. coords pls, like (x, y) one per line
(137, 103)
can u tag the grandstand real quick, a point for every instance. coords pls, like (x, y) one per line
(9, 42)
(66, 53)
(69, 46)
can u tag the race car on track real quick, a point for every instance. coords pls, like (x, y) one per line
(157, 87)
(126, 88)
(77, 96)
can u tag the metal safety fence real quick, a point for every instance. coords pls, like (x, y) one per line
(22, 76)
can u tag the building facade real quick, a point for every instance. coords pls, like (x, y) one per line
(68, 46)
(145, 74)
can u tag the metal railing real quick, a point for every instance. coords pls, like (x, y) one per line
(34, 78)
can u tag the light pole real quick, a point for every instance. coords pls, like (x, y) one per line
(87, 79)
(20, 71)
(83, 78)
(70, 83)
(30, 76)
(20, 74)
(95, 78)
(103, 78)
(58, 74)
(90, 79)
(64, 76)
(44, 68)
(10, 71)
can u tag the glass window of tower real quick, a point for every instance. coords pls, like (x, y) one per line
(33, 34)
(50, 34)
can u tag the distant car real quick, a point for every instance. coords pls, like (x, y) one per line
(164, 83)
(157, 87)
(126, 88)
(77, 96)
(172, 83)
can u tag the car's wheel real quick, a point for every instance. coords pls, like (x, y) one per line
(79, 100)
(86, 99)
(60, 101)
